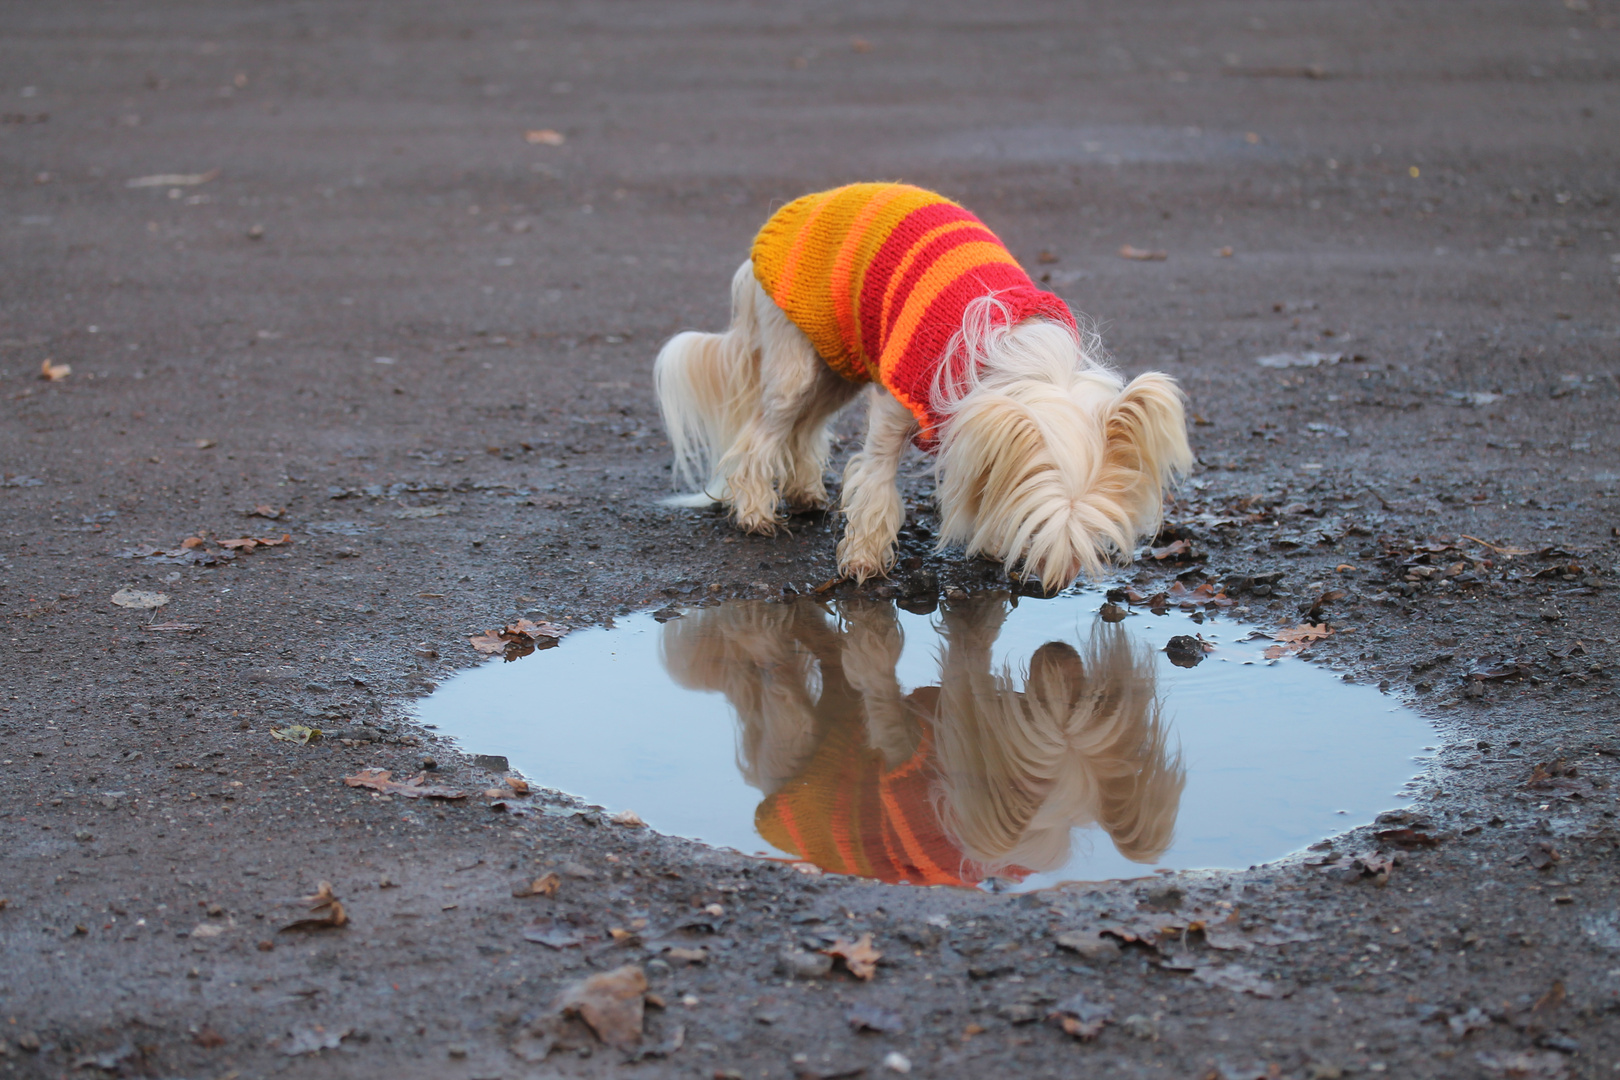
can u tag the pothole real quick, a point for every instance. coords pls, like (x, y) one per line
(994, 742)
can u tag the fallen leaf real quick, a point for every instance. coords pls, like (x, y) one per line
(611, 1003)
(415, 787)
(312, 1040)
(555, 935)
(1238, 979)
(544, 137)
(1302, 633)
(859, 957)
(866, 1016)
(139, 599)
(207, 1038)
(544, 885)
(489, 642)
(53, 372)
(1177, 549)
(325, 911)
(1142, 254)
(172, 179)
(1081, 1018)
(248, 543)
(295, 733)
(1541, 854)
(265, 511)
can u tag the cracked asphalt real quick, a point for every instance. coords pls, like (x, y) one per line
(386, 280)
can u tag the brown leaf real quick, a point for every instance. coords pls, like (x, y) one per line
(1237, 979)
(859, 957)
(1542, 854)
(611, 1003)
(1142, 254)
(1081, 1018)
(326, 910)
(1305, 632)
(207, 1038)
(544, 885)
(53, 372)
(415, 787)
(266, 511)
(1178, 549)
(489, 642)
(544, 137)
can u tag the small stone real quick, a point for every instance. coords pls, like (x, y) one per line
(29, 1042)
(456, 1050)
(1090, 946)
(255, 232)
(895, 1061)
(1141, 1027)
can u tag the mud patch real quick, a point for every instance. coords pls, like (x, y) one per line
(991, 743)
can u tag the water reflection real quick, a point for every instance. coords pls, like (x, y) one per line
(981, 775)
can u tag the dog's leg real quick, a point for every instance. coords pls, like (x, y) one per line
(806, 487)
(793, 391)
(871, 496)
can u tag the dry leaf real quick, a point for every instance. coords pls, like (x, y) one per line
(1142, 254)
(545, 885)
(265, 511)
(1081, 1018)
(139, 599)
(1303, 632)
(489, 642)
(611, 1003)
(248, 543)
(52, 372)
(325, 910)
(415, 787)
(544, 137)
(859, 957)
(295, 733)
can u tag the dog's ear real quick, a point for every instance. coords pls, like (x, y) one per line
(1148, 424)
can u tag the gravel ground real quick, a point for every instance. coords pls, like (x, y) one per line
(372, 296)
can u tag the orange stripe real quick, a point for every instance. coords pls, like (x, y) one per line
(843, 297)
(790, 265)
(950, 268)
(904, 266)
(915, 853)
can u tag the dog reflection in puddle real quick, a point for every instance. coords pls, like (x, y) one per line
(970, 781)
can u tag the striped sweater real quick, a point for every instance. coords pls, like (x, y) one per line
(878, 277)
(849, 813)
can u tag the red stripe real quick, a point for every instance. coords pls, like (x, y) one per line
(887, 259)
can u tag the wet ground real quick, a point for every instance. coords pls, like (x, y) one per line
(412, 338)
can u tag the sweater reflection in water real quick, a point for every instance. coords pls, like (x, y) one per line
(982, 775)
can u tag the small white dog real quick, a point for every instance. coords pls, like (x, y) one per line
(1046, 458)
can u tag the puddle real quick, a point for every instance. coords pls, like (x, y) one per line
(989, 743)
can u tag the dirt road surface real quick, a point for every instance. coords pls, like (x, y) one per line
(396, 274)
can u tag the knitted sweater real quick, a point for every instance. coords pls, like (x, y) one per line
(848, 813)
(878, 277)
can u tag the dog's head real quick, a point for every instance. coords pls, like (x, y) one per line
(1057, 469)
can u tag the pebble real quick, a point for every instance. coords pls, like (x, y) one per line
(796, 964)
(895, 1061)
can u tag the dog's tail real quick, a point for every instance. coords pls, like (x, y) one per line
(708, 387)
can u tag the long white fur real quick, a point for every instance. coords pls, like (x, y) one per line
(1048, 460)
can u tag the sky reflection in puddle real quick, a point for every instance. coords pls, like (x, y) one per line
(987, 743)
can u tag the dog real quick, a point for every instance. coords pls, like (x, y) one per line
(1046, 459)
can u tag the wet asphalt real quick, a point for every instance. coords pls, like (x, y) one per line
(395, 274)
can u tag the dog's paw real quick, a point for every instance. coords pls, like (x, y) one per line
(756, 524)
(862, 558)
